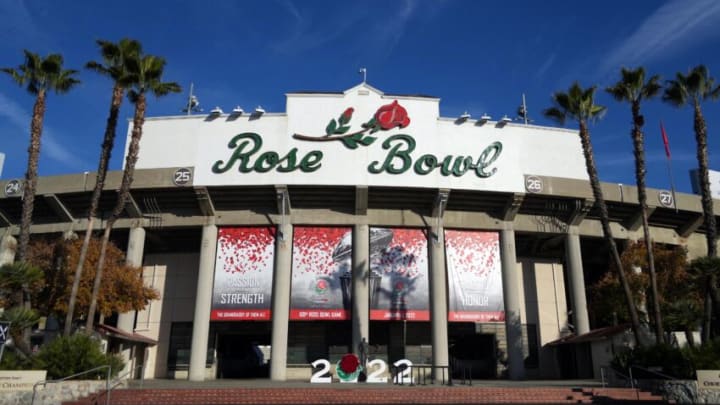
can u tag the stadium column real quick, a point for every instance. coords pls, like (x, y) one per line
(8, 245)
(360, 289)
(203, 301)
(438, 298)
(511, 294)
(133, 257)
(281, 302)
(577, 280)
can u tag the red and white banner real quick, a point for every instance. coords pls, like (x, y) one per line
(399, 275)
(474, 276)
(243, 274)
(321, 273)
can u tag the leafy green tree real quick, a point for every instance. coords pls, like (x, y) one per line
(115, 66)
(579, 104)
(39, 76)
(692, 89)
(147, 71)
(28, 279)
(633, 88)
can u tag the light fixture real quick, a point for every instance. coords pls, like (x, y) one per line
(465, 116)
(504, 120)
(259, 110)
(237, 110)
(216, 111)
(485, 118)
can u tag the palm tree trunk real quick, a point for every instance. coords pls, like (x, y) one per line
(639, 150)
(123, 193)
(709, 215)
(31, 175)
(107, 145)
(605, 221)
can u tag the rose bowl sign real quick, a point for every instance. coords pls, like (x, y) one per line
(360, 137)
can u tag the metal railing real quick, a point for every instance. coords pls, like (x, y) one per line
(92, 370)
(117, 381)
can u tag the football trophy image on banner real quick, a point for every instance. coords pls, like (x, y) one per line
(474, 276)
(243, 274)
(399, 274)
(321, 273)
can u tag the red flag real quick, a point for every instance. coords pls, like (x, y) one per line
(666, 142)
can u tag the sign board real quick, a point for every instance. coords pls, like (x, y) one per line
(708, 379)
(4, 332)
(16, 380)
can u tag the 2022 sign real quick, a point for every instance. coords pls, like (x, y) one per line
(376, 372)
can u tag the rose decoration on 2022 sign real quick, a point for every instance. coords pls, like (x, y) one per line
(387, 117)
(348, 368)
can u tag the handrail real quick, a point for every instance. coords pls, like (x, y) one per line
(117, 381)
(45, 382)
(657, 373)
(618, 373)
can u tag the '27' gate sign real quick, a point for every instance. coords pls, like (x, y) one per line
(376, 371)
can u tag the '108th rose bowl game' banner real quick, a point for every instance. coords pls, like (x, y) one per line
(243, 274)
(398, 275)
(321, 273)
(474, 276)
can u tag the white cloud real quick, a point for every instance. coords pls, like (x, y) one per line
(674, 25)
(19, 118)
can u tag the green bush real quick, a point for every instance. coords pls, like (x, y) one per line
(663, 358)
(705, 357)
(66, 356)
(11, 360)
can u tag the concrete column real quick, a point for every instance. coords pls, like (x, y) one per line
(8, 246)
(281, 302)
(203, 302)
(438, 298)
(126, 320)
(511, 294)
(576, 277)
(133, 257)
(360, 288)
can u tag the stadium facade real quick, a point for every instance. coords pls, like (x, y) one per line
(276, 239)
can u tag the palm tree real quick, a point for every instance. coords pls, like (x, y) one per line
(113, 65)
(694, 88)
(146, 71)
(579, 104)
(633, 88)
(39, 75)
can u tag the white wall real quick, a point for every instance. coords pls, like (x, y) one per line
(175, 277)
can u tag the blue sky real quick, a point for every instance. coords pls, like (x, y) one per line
(478, 56)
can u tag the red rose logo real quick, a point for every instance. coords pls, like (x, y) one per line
(392, 115)
(386, 117)
(349, 363)
(321, 286)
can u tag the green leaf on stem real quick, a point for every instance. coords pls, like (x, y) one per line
(331, 127)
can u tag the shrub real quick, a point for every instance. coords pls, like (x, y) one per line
(669, 359)
(66, 356)
(705, 357)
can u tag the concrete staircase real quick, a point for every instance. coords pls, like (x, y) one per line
(373, 395)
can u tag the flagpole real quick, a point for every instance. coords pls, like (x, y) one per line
(666, 143)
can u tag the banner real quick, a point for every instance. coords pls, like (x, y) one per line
(398, 275)
(321, 273)
(474, 276)
(243, 274)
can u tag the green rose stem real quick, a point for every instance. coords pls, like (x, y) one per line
(328, 138)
